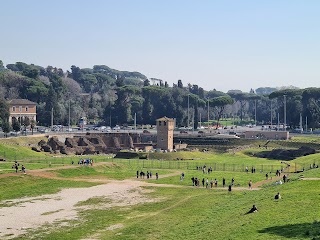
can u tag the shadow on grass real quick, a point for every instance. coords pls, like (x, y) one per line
(303, 230)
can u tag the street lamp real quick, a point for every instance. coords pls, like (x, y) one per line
(208, 114)
(188, 113)
(255, 112)
(271, 113)
(285, 112)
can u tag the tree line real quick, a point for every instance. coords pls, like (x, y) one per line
(103, 94)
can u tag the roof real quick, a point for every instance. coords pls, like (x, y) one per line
(21, 102)
(165, 119)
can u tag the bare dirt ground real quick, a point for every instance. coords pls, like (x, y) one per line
(33, 212)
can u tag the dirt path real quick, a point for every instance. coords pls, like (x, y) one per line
(310, 179)
(272, 179)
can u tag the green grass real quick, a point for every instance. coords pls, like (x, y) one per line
(112, 171)
(6, 167)
(313, 173)
(25, 185)
(241, 179)
(180, 213)
(192, 213)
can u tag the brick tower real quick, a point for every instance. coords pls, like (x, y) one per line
(165, 127)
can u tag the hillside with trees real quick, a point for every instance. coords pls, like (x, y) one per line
(103, 94)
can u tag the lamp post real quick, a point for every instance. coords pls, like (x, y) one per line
(285, 112)
(271, 113)
(188, 113)
(255, 112)
(69, 116)
(208, 114)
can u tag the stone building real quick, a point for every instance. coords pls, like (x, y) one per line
(275, 135)
(165, 127)
(21, 109)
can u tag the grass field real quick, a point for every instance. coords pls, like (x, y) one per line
(192, 213)
(179, 210)
(24, 185)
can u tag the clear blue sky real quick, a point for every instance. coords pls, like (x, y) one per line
(215, 44)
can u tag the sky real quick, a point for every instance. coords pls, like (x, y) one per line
(215, 44)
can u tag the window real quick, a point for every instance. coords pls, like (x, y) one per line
(27, 108)
(13, 109)
(20, 108)
(164, 123)
(159, 123)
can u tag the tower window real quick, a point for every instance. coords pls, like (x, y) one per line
(164, 123)
(159, 123)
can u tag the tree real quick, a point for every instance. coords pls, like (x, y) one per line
(4, 110)
(88, 82)
(16, 125)
(21, 66)
(242, 98)
(146, 83)
(123, 103)
(12, 67)
(30, 72)
(293, 105)
(120, 81)
(180, 85)
(311, 106)
(76, 73)
(219, 104)
(5, 127)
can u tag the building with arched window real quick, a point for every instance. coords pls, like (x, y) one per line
(21, 109)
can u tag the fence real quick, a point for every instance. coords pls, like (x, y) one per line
(167, 164)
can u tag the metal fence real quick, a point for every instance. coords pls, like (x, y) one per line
(165, 164)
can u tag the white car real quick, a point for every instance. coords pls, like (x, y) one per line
(116, 127)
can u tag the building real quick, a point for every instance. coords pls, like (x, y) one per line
(20, 109)
(275, 135)
(165, 127)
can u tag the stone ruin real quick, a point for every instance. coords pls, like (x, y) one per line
(87, 144)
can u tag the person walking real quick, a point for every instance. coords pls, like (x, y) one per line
(23, 169)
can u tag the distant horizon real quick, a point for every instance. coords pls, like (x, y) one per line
(214, 44)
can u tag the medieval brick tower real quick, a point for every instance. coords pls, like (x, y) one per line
(165, 127)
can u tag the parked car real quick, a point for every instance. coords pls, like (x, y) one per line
(117, 127)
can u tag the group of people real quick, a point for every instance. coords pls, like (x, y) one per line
(85, 162)
(16, 167)
(204, 169)
(142, 174)
(209, 184)
(253, 170)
